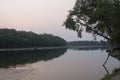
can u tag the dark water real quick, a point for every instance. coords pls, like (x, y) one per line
(56, 64)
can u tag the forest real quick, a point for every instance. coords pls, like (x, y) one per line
(11, 38)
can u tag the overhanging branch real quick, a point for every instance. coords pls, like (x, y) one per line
(95, 31)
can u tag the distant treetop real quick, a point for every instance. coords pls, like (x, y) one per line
(10, 38)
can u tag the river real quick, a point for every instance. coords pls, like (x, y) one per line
(56, 64)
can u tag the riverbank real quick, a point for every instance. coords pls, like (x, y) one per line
(116, 73)
(34, 48)
(47, 48)
(114, 76)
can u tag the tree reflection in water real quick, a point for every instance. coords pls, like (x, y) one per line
(14, 58)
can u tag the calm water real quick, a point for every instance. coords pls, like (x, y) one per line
(58, 64)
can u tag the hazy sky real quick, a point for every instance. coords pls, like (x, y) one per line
(39, 16)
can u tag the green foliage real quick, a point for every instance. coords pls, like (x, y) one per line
(101, 17)
(107, 77)
(70, 23)
(110, 76)
(10, 38)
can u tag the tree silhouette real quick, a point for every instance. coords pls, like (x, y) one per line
(99, 17)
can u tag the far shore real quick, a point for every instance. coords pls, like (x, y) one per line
(46, 48)
(34, 48)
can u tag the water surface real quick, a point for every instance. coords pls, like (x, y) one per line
(58, 64)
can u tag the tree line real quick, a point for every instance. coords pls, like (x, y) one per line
(10, 38)
(87, 43)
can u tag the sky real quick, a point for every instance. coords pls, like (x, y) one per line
(39, 16)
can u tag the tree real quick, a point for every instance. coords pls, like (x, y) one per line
(10, 38)
(99, 17)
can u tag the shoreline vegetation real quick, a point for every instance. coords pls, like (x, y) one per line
(10, 38)
(47, 48)
(116, 72)
(34, 48)
(114, 76)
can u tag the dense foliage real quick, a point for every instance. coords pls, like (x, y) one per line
(99, 17)
(10, 38)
